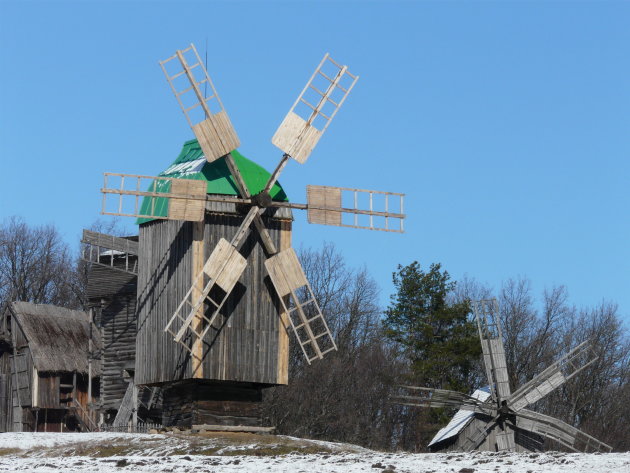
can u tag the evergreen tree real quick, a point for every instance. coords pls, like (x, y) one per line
(438, 338)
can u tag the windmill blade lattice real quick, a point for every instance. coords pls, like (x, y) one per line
(305, 316)
(367, 209)
(487, 316)
(186, 198)
(309, 117)
(554, 376)
(203, 110)
(560, 431)
(430, 397)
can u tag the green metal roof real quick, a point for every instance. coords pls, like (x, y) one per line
(191, 164)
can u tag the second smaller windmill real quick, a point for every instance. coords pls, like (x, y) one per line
(499, 421)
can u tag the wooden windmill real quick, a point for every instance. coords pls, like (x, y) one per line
(215, 300)
(499, 421)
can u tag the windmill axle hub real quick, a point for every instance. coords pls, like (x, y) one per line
(262, 199)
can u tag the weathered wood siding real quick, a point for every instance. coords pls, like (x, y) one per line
(48, 391)
(104, 281)
(246, 348)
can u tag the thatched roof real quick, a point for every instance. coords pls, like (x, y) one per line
(58, 338)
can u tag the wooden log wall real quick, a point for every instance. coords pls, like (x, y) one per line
(251, 344)
(194, 402)
(112, 294)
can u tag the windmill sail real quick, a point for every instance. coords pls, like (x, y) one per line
(201, 105)
(223, 269)
(429, 397)
(560, 431)
(185, 199)
(556, 375)
(487, 313)
(298, 301)
(372, 210)
(314, 109)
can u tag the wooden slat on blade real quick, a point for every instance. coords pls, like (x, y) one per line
(187, 209)
(296, 137)
(216, 136)
(225, 265)
(321, 196)
(285, 272)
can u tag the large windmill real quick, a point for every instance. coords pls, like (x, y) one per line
(497, 420)
(218, 282)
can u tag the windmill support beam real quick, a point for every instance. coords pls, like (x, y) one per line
(197, 265)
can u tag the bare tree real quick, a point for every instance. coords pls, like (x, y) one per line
(344, 397)
(35, 265)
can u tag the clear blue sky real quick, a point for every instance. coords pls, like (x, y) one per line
(505, 123)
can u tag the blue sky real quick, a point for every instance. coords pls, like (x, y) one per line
(505, 123)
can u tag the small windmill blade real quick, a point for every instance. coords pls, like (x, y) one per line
(429, 397)
(201, 104)
(559, 431)
(554, 376)
(309, 117)
(298, 302)
(371, 210)
(487, 316)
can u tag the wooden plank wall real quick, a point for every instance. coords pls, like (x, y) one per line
(118, 331)
(246, 348)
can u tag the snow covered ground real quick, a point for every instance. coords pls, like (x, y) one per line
(185, 453)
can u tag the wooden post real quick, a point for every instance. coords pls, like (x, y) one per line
(90, 365)
(197, 267)
(284, 324)
(135, 406)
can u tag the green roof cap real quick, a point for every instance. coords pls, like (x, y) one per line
(191, 164)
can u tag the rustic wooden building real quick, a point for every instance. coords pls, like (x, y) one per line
(47, 381)
(112, 277)
(218, 380)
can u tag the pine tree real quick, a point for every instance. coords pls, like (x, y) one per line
(438, 338)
